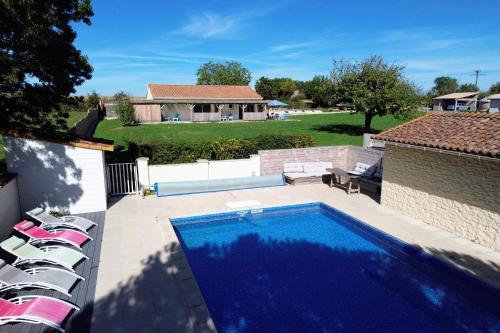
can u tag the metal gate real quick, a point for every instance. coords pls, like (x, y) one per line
(122, 178)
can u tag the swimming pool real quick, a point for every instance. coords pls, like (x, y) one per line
(312, 268)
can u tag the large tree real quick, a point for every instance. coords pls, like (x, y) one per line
(495, 88)
(375, 88)
(39, 65)
(277, 88)
(468, 87)
(444, 85)
(228, 73)
(321, 90)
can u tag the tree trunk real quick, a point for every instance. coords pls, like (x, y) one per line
(368, 122)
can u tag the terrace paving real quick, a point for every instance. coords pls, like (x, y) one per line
(144, 283)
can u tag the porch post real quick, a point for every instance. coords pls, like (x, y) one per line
(191, 108)
(244, 107)
(456, 104)
(220, 107)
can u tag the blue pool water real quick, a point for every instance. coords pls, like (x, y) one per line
(311, 268)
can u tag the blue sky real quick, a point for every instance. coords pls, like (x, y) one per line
(131, 43)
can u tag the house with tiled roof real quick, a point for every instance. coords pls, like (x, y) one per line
(199, 103)
(458, 101)
(494, 102)
(444, 169)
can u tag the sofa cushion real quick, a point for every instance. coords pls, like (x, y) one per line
(364, 169)
(317, 167)
(293, 167)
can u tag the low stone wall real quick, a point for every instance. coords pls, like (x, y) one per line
(9, 207)
(458, 194)
(358, 154)
(272, 161)
(86, 125)
(344, 157)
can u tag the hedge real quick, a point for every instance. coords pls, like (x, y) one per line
(220, 149)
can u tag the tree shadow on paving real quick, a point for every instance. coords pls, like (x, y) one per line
(262, 285)
(348, 129)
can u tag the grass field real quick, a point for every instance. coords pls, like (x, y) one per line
(326, 129)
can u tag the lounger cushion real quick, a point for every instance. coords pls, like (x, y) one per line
(25, 225)
(2, 263)
(12, 243)
(293, 167)
(36, 211)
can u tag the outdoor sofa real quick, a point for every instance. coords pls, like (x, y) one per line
(370, 174)
(307, 172)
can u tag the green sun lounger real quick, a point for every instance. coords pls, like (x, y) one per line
(48, 221)
(56, 255)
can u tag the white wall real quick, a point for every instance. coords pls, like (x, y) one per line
(57, 176)
(201, 170)
(9, 208)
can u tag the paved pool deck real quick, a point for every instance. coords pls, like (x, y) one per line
(144, 282)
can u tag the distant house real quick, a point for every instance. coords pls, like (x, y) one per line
(460, 101)
(494, 102)
(199, 103)
(444, 169)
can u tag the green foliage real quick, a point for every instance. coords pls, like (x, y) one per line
(92, 100)
(375, 88)
(40, 66)
(125, 112)
(120, 96)
(468, 87)
(321, 90)
(444, 85)
(219, 149)
(278, 88)
(495, 88)
(228, 73)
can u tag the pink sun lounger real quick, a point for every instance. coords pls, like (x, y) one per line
(40, 236)
(35, 310)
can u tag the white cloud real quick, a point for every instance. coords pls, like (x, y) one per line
(291, 46)
(209, 25)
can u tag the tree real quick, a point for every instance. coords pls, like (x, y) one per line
(444, 85)
(495, 88)
(321, 90)
(39, 65)
(468, 87)
(126, 113)
(264, 86)
(375, 88)
(92, 100)
(228, 73)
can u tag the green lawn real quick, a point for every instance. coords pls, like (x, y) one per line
(326, 129)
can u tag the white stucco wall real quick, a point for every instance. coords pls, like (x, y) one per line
(458, 194)
(201, 170)
(10, 213)
(57, 176)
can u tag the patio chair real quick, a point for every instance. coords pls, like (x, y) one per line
(176, 118)
(230, 117)
(13, 278)
(54, 255)
(36, 309)
(224, 118)
(40, 236)
(49, 222)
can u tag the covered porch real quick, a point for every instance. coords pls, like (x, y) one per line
(209, 112)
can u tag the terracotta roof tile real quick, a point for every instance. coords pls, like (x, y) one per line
(468, 132)
(178, 91)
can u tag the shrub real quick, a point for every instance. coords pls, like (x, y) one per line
(220, 149)
(125, 111)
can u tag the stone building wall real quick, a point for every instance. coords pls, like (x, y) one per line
(455, 193)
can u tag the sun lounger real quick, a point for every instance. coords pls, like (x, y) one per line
(13, 278)
(39, 236)
(55, 255)
(49, 221)
(36, 310)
